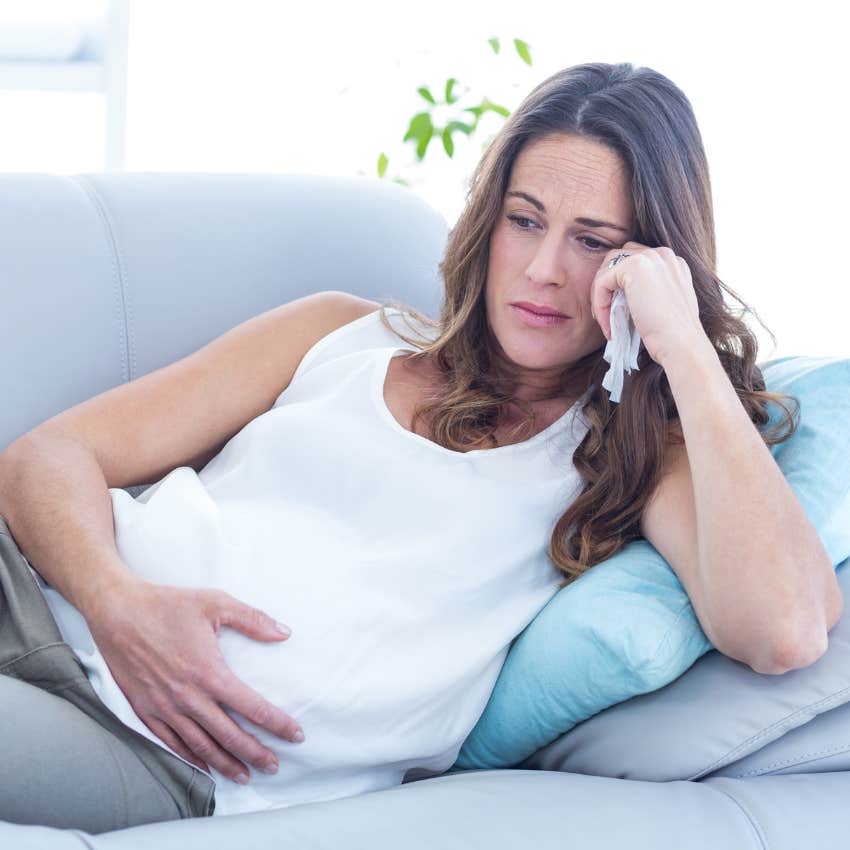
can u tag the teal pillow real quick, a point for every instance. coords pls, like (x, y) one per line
(626, 627)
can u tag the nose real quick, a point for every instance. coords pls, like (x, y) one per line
(546, 265)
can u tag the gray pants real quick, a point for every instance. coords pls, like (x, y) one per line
(65, 759)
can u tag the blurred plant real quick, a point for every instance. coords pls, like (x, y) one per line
(423, 127)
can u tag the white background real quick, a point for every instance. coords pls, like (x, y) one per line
(321, 87)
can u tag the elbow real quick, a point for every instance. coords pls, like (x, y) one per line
(797, 650)
(798, 653)
(835, 605)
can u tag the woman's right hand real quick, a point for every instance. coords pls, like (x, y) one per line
(161, 645)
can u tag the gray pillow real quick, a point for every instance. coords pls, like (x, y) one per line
(715, 714)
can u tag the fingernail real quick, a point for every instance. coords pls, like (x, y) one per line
(298, 737)
(271, 767)
(284, 630)
(242, 778)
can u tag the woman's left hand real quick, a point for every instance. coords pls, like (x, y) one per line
(660, 293)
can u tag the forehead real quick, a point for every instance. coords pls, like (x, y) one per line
(567, 171)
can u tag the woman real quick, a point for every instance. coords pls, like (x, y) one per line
(358, 531)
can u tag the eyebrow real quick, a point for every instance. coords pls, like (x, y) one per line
(587, 222)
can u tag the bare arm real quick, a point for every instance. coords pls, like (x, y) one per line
(56, 503)
(753, 564)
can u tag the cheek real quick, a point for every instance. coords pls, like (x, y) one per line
(498, 251)
(582, 301)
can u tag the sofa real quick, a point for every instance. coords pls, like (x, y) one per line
(106, 277)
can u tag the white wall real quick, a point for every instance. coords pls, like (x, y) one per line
(324, 87)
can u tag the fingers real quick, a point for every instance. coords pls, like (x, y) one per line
(207, 748)
(208, 737)
(164, 731)
(601, 303)
(599, 322)
(178, 694)
(603, 288)
(248, 620)
(196, 746)
(196, 712)
(229, 744)
(235, 694)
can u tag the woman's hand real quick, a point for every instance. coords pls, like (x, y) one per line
(161, 645)
(660, 293)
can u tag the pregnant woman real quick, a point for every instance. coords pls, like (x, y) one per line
(401, 496)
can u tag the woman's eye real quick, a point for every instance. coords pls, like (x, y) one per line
(516, 219)
(599, 245)
(592, 246)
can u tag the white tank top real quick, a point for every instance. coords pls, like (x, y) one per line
(404, 569)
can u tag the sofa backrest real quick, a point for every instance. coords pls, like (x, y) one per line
(106, 277)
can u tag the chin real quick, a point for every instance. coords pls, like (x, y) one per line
(533, 359)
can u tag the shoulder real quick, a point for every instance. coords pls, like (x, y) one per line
(341, 313)
(336, 308)
(341, 324)
(334, 314)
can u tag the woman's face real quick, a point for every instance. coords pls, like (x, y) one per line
(542, 252)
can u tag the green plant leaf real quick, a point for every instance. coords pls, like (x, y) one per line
(424, 139)
(522, 49)
(426, 93)
(450, 83)
(420, 124)
(448, 143)
(401, 181)
(488, 106)
(467, 129)
(421, 129)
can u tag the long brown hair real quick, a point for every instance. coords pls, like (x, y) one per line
(648, 121)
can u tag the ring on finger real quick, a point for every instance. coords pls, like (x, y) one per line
(617, 259)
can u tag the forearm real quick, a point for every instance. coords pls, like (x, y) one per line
(763, 569)
(55, 500)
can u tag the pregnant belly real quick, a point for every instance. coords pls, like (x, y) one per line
(353, 718)
(292, 674)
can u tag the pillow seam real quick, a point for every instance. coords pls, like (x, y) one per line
(834, 698)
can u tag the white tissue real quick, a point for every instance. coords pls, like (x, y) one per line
(622, 349)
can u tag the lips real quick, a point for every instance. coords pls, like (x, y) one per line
(540, 309)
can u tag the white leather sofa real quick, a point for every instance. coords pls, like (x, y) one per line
(105, 277)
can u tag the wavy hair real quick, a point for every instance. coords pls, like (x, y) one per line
(648, 121)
